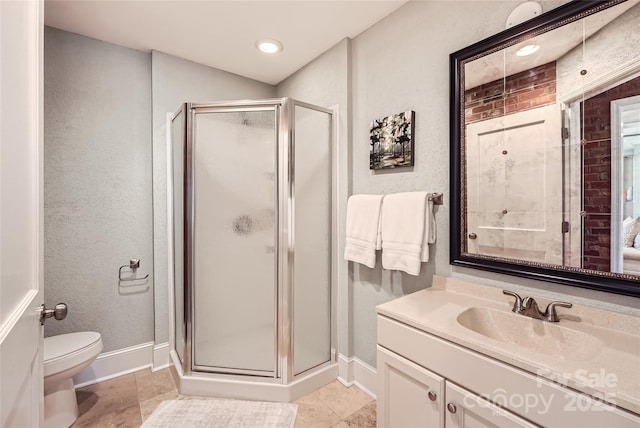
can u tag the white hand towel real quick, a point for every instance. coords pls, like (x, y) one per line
(403, 231)
(429, 232)
(363, 229)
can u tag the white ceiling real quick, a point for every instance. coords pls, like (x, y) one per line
(553, 45)
(222, 34)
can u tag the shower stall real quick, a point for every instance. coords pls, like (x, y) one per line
(252, 188)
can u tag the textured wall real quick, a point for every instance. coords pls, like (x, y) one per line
(176, 81)
(402, 63)
(97, 193)
(393, 67)
(398, 64)
(332, 69)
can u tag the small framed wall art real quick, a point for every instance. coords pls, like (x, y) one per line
(391, 141)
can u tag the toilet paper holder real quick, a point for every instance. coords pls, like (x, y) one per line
(133, 265)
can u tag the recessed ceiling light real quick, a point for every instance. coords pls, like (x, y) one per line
(527, 50)
(269, 46)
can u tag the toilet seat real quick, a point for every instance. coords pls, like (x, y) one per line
(65, 351)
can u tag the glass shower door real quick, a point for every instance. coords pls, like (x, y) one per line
(312, 168)
(234, 157)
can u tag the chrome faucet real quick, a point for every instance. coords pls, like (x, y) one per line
(517, 305)
(529, 307)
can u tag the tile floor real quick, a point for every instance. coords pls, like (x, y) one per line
(129, 400)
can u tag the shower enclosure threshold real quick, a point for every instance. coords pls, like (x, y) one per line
(225, 386)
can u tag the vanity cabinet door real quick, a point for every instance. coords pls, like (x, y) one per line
(467, 410)
(408, 395)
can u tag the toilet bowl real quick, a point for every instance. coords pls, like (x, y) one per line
(65, 356)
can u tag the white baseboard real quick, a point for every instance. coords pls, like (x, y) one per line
(345, 370)
(353, 371)
(160, 356)
(116, 363)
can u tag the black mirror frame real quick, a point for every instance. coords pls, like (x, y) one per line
(602, 281)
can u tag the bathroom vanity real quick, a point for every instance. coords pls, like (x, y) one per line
(455, 355)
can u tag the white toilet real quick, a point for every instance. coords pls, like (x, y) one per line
(65, 356)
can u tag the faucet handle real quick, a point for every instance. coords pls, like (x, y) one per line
(550, 313)
(529, 302)
(517, 305)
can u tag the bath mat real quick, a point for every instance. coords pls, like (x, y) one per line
(222, 413)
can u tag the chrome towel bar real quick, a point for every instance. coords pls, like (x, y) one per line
(133, 265)
(437, 198)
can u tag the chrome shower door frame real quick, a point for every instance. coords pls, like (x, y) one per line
(287, 301)
(193, 110)
(284, 239)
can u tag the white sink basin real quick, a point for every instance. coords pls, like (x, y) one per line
(538, 336)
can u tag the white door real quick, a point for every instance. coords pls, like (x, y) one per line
(514, 186)
(21, 391)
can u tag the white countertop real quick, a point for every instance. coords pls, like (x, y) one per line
(610, 371)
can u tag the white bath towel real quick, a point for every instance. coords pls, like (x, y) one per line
(403, 231)
(363, 229)
(429, 232)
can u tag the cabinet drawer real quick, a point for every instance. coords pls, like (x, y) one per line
(534, 398)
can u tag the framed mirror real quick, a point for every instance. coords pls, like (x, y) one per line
(545, 148)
